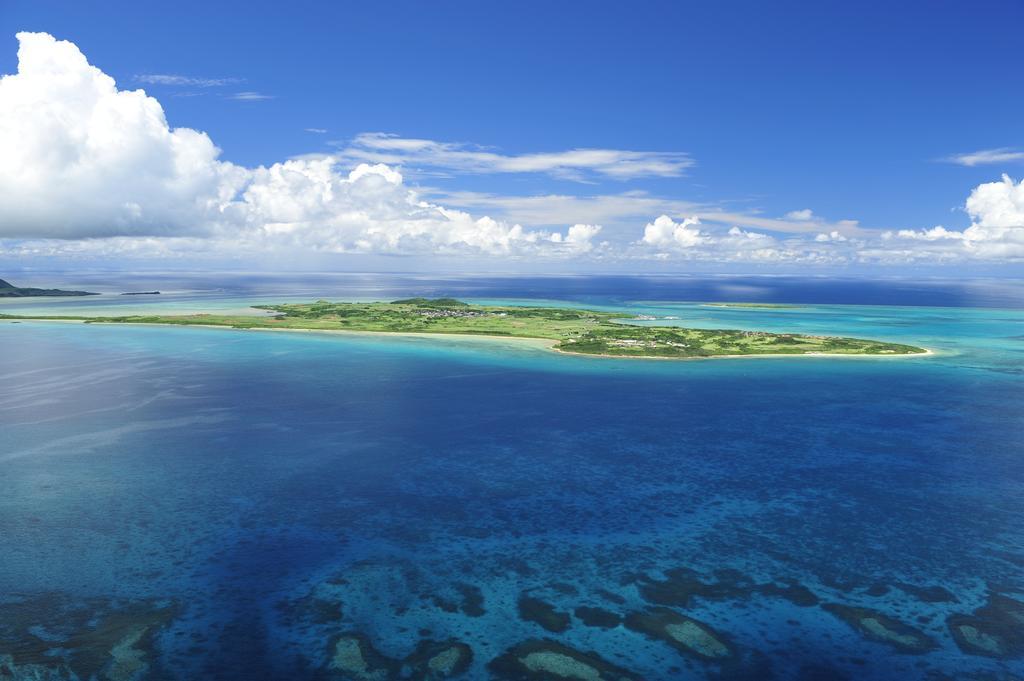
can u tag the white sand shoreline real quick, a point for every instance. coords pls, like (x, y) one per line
(544, 343)
(782, 355)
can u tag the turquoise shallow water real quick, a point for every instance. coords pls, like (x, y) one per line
(239, 500)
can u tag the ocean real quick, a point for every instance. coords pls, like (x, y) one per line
(193, 503)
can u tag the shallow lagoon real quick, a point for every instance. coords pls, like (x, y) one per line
(242, 503)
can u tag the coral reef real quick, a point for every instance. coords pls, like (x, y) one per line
(51, 636)
(546, 660)
(352, 657)
(685, 634)
(682, 585)
(876, 626)
(993, 630)
(439, 660)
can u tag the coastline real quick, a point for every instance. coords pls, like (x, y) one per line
(540, 343)
(545, 343)
(928, 352)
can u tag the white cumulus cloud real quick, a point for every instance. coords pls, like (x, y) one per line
(666, 239)
(83, 159)
(996, 231)
(306, 201)
(665, 233)
(801, 215)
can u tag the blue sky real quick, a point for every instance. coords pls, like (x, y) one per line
(850, 110)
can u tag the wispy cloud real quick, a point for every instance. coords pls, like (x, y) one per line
(987, 157)
(250, 96)
(579, 165)
(185, 81)
(317, 131)
(626, 208)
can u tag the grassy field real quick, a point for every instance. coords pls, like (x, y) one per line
(574, 330)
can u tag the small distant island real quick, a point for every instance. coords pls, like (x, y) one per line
(578, 331)
(141, 293)
(11, 291)
(755, 306)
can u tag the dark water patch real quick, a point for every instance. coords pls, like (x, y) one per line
(597, 617)
(445, 604)
(928, 594)
(610, 596)
(313, 608)
(563, 588)
(820, 672)
(244, 650)
(472, 599)
(462, 597)
(540, 612)
(791, 590)
(877, 590)
(1010, 557)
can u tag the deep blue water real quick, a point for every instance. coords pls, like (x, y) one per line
(989, 293)
(267, 492)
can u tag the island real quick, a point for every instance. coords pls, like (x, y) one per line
(570, 330)
(755, 306)
(141, 293)
(11, 291)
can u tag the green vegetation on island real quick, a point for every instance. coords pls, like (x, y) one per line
(571, 330)
(11, 291)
